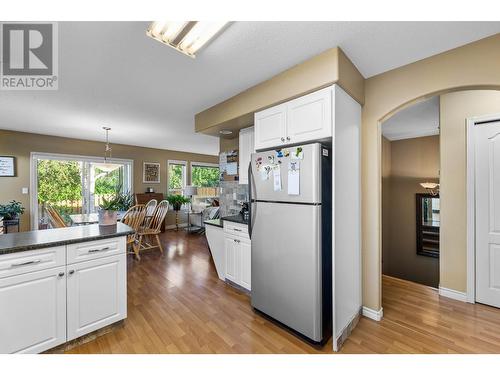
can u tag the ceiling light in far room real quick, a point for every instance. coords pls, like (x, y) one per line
(187, 37)
(431, 187)
(225, 132)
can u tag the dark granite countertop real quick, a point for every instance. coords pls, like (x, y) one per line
(214, 222)
(24, 241)
(236, 219)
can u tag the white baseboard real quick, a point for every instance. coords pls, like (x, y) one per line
(453, 294)
(373, 314)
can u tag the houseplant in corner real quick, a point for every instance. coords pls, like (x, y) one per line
(10, 213)
(177, 201)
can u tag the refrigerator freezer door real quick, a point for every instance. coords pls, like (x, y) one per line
(286, 265)
(310, 174)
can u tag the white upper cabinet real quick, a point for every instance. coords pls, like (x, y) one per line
(310, 117)
(270, 127)
(304, 119)
(246, 142)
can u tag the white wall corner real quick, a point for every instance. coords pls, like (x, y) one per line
(373, 314)
(453, 294)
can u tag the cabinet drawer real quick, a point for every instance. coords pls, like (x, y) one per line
(84, 251)
(33, 260)
(236, 229)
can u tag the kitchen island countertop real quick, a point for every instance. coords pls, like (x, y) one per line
(25, 241)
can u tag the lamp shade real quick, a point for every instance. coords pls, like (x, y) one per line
(189, 191)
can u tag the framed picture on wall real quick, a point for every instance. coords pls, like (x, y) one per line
(7, 166)
(151, 173)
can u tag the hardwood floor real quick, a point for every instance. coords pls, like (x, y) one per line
(176, 304)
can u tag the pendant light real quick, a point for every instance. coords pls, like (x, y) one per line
(107, 149)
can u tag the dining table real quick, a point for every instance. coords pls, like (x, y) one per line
(93, 218)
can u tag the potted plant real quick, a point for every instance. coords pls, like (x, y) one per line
(11, 210)
(10, 213)
(107, 210)
(177, 201)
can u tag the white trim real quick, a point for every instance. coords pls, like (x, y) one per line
(373, 314)
(470, 295)
(412, 134)
(203, 164)
(453, 294)
(184, 163)
(55, 156)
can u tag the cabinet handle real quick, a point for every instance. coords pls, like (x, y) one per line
(71, 272)
(282, 139)
(237, 230)
(238, 241)
(26, 263)
(61, 274)
(97, 250)
(287, 138)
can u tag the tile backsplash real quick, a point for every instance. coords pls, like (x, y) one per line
(231, 193)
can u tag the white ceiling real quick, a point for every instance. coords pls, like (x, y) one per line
(418, 120)
(111, 74)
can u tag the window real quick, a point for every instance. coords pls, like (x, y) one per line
(206, 177)
(176, 176)
(74, 184)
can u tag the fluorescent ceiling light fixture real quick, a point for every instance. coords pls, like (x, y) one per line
(185, 36)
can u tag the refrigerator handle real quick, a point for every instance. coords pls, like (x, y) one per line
(250, 199)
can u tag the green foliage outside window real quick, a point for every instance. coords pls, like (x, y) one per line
(108, 182)
(175, 178)
(202, 176)
(59, 180)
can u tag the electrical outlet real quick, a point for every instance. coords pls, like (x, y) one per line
(24, 190)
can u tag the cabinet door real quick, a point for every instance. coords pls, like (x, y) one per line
(97, 294)
(33, 311)
(246, 264)
(232, 259)
(310, 117)
(270, 127)
(246, 143)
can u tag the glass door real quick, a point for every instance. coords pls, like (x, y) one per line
(68, 185)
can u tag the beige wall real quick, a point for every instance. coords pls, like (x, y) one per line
(471, 66)
(21, 145)
(405, 164)
(455, 109)
(229, 144)
(329, 67)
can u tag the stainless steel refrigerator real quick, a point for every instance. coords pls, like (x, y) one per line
(290, 229)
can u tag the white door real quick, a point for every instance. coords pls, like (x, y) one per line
(232, 259)
(246, 143)
(246, 264)
(487, 212)
(97, 294)
(310, 117)
(33, 311)
(270, 127)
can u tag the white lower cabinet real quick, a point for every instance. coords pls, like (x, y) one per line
(42, 308)
(238, 260)
(33, 311)
(96, 294)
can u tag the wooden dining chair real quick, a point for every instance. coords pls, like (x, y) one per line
(134, 218)
(56, 220)
(153, 228)
(150, 209)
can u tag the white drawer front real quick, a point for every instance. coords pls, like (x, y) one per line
(84, 251)
(236, 229)
(33, 260)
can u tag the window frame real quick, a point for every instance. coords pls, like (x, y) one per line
(184, 175)
(201, 164)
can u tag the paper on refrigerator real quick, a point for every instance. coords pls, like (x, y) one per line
(294, 177)
(276, 177)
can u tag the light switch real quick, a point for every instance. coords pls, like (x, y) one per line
(24, 190)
